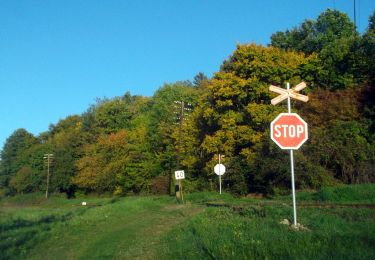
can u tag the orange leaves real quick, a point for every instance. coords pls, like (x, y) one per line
(103, 161)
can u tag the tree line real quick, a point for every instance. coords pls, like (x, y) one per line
(130, 144)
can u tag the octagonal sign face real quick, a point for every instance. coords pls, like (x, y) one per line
(289, 131)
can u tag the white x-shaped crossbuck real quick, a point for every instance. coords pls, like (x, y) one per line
(284, 93)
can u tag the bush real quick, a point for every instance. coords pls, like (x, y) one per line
(160, 184)
(21, 182)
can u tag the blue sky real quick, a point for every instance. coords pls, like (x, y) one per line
(57, 57)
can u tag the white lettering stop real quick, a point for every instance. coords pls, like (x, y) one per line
(289, 131)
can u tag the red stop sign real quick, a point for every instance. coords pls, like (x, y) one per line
(289, 131)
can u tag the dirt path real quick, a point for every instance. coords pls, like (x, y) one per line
(131, 234)
(173, 215)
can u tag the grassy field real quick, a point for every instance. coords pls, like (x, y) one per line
(340, 223)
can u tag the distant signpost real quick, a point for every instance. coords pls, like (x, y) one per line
(180, 175)
(219, 169)
(289, 130)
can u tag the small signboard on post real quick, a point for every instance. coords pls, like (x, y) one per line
(180, 175)
(219, 169)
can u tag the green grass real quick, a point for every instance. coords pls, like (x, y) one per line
(360, 193)
(343, 194)
(208, 226)
(105, 228)
(221, 233)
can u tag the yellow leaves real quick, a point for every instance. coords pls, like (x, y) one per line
(226, 85)
(256, 137)
(245, 135)
(207, 112)
(237, 106)
(224, 103)
(118, 191)
(97, 170)
(230, 119)
(267, 64)
(210, 144)
(88, 170)
(249, 155)
(261, 114)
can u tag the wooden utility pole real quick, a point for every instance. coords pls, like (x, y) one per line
(181, 108)
(181, 117)
(48, 157)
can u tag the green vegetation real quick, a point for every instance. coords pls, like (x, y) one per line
(222, 233)
(131, 144)
(208, 226)
(61, 228)
(364, 193)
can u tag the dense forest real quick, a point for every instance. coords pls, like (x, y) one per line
(131, 144)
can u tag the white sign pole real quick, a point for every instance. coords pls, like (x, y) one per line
(292, 169)
(219, 173)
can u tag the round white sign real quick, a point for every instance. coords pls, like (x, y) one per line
(219, 169)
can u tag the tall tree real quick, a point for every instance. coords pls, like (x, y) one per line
(12, 154)
(368, 47)
(67, 146)
(117, 163)
(236, 111)
(334, 38)
(164, 123)
(112, 115)
(200, 79)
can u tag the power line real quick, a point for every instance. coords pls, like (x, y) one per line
(359, 15)
(355, 15)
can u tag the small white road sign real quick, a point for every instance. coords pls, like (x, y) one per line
(179, 175)
(219, 169)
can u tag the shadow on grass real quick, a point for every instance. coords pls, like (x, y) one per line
(22, 223)
(19, 235)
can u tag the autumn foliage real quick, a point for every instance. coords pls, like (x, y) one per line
(129, 144)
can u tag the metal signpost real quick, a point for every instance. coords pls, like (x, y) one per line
(289, 130)
(219, 169)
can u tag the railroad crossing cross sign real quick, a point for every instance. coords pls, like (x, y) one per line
(284, 93)
(289, 131)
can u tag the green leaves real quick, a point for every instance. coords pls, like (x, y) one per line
(332, 36)
(130, 144)
(13, 154)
